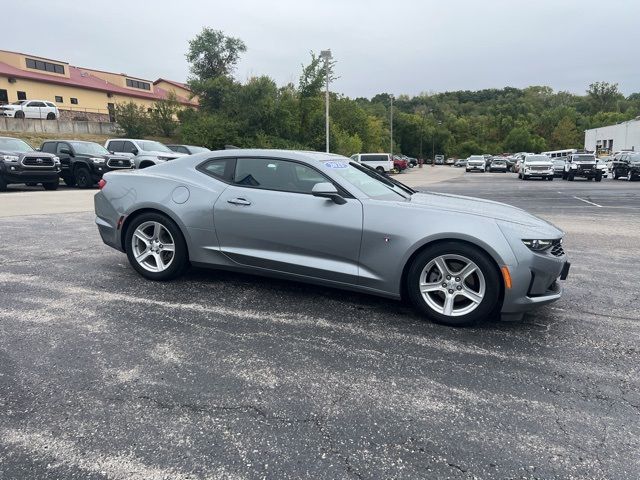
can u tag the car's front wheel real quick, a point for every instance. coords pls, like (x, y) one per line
(454, 283)
(82, 177)
(155, 247)
(51, 185)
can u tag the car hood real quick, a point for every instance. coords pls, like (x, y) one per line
(10, 107)
(33, 153)
(479, 207)
(538, 163)
(165, 154)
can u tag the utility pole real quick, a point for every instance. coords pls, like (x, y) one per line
(326, 55)
(391, 123)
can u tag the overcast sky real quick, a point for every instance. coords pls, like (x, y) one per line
(396, 46)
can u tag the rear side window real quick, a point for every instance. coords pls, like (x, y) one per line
(374, 158)
(49, 147)
(220, 168)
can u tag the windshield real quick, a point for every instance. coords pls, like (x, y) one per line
(367, 180)
(476, 157)
(584, 158)
(537, 158)
(151, 146)
(89, 148)
(14, 145)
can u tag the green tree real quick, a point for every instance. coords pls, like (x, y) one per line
(604, 96)
(566, 135)
(164, 115)
(132, 119)
(213, 54)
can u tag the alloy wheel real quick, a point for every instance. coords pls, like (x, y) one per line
(153, 246)
(452, 285)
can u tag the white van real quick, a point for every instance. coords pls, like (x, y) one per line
(380, 161)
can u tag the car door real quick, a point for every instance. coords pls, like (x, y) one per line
(267, 218)
(31, 109)
(63, 150)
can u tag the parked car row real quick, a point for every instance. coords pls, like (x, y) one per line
(79, 163)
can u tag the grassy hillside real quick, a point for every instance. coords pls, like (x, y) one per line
(36, 139)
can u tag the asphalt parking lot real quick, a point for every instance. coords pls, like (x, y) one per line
(221, 375)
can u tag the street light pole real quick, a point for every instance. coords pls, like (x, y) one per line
(326, 55)
(391, 123)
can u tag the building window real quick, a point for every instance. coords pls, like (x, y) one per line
(45, 66)
(138, 84)
(22, 96)
(59, 99)
(74, 101)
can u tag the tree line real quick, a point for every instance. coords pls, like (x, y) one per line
(260, 114)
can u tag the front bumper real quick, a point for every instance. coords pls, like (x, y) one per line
(16, 175)
(8, 113)
(535, 281)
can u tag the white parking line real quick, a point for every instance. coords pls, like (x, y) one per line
(587, 201)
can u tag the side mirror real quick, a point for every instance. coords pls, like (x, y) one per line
(66, 151)
(134, 151)
(327, 190)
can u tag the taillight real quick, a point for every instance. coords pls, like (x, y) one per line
(102, 183)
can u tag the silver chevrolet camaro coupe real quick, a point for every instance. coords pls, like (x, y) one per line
(324, 219)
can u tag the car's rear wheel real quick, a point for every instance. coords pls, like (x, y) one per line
(83, 177)
(454, 283)
(51, 116)
(155, 247)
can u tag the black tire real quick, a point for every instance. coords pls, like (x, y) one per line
(564, 175)
(51, 116)
(19, 114)
(51, 185)
(180, 262)
(82, 177)
(3, 184)
(550, 179)
(31, 184)
(570, 177)
(598, 178)
(378, 169)
(151, 164)
(485, 309)
(69, 181)
(615, 174)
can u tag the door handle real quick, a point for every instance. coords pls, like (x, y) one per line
(239, 201)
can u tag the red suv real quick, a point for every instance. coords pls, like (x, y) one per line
(399, 163)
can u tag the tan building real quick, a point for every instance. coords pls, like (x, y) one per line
(80, 92)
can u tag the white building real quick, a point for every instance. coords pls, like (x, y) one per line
(612, 138)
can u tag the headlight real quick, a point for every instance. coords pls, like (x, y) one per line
(10, 158)
(56, 160)
(538, 245)
(574, 166)
(97, 161)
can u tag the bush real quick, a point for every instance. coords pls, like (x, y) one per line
(132, 120)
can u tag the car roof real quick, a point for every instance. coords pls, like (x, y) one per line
(300, 155)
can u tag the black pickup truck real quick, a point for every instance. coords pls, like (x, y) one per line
(20, 163)
(84, 163)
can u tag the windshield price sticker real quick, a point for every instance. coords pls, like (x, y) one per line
(336, 165)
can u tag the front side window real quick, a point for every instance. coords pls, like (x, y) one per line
(115, 146)
(61, 147)
(374, 158)
(280, 175)
(49, 147)
(129, 147)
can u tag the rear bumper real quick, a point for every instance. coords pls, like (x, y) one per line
(107, 222)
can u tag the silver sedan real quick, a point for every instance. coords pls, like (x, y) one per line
(325, 219)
